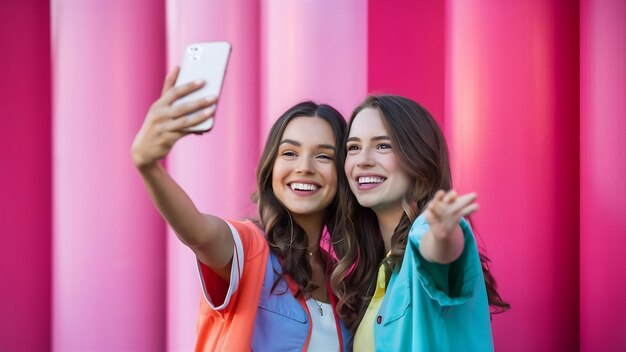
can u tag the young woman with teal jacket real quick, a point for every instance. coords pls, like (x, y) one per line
(423, 285)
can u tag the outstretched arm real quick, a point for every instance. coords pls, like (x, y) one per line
(208, 236)
(444, 242)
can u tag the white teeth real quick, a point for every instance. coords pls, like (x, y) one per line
(363, 180)
(303, 186)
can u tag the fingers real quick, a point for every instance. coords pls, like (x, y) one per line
(180, 124)
(191, 107)
(439, 200)
(438, 196)
(468, 210)
(173, 93)
(450, 204)
(449, 197)
(170, 79)
(165, 114)
(430, 217)
(462, 202)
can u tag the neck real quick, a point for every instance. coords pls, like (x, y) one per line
(388, 220)
(312, 224)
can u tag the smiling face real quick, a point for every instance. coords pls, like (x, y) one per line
(304, 177)
(372, 168)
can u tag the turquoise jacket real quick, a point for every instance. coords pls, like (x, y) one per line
(435, 307)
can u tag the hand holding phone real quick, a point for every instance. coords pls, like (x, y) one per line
(164, 126)
(207, 62)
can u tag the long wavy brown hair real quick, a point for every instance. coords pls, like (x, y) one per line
(421, 150)
(286, 239)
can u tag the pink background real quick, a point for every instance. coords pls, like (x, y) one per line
(531, 95)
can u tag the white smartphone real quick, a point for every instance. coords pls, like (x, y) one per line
(203, 61)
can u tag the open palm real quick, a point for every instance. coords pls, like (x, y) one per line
(446, 209)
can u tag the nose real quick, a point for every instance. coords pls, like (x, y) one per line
(305, 166)
(364, 159)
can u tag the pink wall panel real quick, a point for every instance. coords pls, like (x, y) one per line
(531, 95)
(216, 169)
(312, 50)
(109, 258)
(602, 172)
(26, 187)
(405, 51)
(512, 122)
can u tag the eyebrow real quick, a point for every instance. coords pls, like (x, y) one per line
(290, 141)
(298, 144)
(377, 138)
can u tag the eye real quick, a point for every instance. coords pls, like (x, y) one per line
(288, 154)
(383, 146)
(352, 147)
(325, 157)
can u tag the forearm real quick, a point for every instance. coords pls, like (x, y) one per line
(176, 207)
(442, 250)
(208, 236)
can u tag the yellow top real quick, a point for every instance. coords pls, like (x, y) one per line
(364, 338)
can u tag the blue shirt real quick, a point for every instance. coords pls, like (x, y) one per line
(281, 322)
(245, 313)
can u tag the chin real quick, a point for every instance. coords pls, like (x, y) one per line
(304, 210)
(367, 203)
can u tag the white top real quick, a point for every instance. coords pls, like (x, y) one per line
(324, 332)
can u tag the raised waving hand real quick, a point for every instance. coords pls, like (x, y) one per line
(444, 242)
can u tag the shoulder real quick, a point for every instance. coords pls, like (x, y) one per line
(250, 236)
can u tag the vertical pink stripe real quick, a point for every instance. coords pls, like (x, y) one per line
(602, 172)
(108, 239)
(312, 50)
(406, 51)
(216, 169)
(26, 187)
(512, 120)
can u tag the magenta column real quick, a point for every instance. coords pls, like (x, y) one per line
(216, 169)
(405, 46)
(313, 50)
(26, 187)
(512, 118)
(602, 173)
(109, 258)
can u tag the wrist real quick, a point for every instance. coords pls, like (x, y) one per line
(145, 166)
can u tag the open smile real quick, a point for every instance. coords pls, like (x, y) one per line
(302, 188)
(369, 182)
